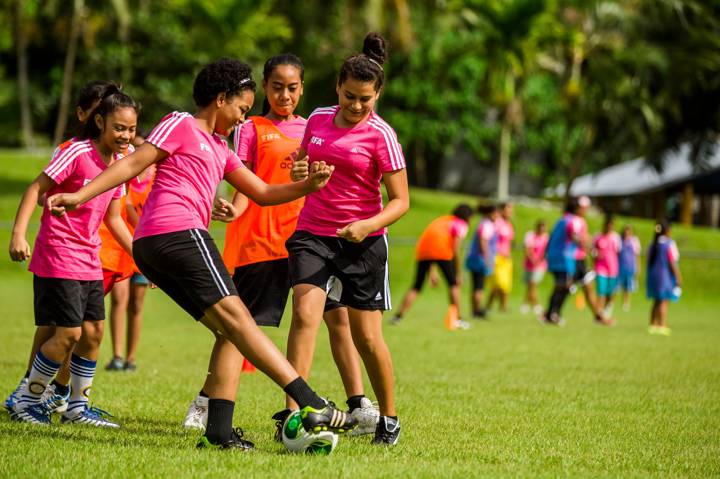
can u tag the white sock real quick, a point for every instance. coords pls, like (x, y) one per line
(82, 371)
(42, 372)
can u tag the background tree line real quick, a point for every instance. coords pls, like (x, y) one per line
(547, 90)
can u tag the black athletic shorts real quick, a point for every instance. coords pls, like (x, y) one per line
(478, 280)
(360, 269)
(187, 266)
(447, 267)
(67, 302)
(581, 276)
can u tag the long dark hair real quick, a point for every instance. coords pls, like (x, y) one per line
(112, 99)
(661, 228)
(274, 62)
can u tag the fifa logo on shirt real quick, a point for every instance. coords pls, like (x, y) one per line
(316, 141)
(204, 147)
(270, 137)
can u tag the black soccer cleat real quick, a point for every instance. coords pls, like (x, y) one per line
(387, 432)
(280, 418)
(328, 418)
(235, 442)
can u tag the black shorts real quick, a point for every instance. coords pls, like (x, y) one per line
(447, 267)
(67, 302)
(361, 268)
(478, 281)
(187, 266)
(582, 275)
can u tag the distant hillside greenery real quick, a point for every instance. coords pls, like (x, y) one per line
(548, 88)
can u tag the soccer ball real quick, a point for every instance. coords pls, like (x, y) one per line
(298, 440)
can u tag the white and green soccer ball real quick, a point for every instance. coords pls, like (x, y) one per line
(297, 440)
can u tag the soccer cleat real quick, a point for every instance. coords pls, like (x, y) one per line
(53, 401)
(367, 416)
(280, 417)
(664, 331)
(115, 364)
(91, 416)
(387, 432)
(524, 308)
(197, 415)
(395, 320)
(32, 414)
(236, 441)
(461, 324)
(537, 309)
(12, 399)
(130, 367)
(329, 418)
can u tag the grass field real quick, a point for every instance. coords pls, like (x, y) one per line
(506, 398)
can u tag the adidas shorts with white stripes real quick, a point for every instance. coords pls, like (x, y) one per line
(187, 266)
(356, 274)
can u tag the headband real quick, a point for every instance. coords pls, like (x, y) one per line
(245, 80)
(375, 62)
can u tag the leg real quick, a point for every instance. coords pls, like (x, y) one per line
(223, 374)
(308, 304)
(135, 320)
(118, 310)
(421, 271)
(662, 313)
(407, 302)
(344, 353)
(367, 334)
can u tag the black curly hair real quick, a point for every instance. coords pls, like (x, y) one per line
(225, 75)
(112, 99)
(366, 66)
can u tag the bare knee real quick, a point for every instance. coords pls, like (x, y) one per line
(67, 338)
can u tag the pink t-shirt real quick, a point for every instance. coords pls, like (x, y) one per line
(245, 137)
(505, 233)
(185, 182)
(607, 247)
(486, 229)
(535, 244)
(672, 251)
(580, 229)
(361, 155)
(458, 228)
(68, 247)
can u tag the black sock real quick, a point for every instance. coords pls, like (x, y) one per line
(202, 394)
(353, 402)
(219, 425)
(301, 393)
(61, 389)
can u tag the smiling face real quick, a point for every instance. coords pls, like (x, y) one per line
(117, 129)
(232, 110)
(283, 90)
(356, 99)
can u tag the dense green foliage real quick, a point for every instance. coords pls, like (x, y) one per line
(507, 398)
(557, 87)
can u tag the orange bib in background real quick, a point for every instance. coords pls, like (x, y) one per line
(435, 242)
(259, 234)
(112, 256)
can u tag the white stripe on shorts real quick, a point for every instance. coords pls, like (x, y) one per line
(388, 300)
(205, 253)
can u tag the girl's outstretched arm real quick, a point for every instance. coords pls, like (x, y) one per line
(19, 247)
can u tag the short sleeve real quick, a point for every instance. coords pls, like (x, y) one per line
(458, 229)
(528, 240)
(245, 143)
(636, 245)
(119, 192)
(232, 162)
(64, 161)
(673, 253)
(170, 133)
(487, 230)
(312, 121)
(388, 152)
(575, 226)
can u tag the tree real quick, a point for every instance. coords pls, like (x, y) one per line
(69, 70)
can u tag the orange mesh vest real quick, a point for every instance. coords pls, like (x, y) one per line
(436, 242)
(112, 256)
(259, 234)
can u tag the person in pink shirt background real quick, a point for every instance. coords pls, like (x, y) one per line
(341, 233)
(174, 250)
(606, 248)
(502, 277)
(68, 278)
(535, 266)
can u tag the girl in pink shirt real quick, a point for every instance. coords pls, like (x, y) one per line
(502, 277)
(339, 249)
(174, 250)
(535, 266)
(606, 248)
(66, 265)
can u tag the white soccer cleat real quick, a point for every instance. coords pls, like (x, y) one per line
(197, 415)
(367, 416)
(90, 416)
(53, 401)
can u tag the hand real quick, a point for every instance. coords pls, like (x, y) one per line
(19, 249)
(300, 169)
(355, 232)
(224, 211)
(60, 203)
(320, 174)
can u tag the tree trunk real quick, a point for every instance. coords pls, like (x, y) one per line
(23, 82)
(503, 186)
(69, 71)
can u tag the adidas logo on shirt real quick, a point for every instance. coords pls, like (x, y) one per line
(316, 141)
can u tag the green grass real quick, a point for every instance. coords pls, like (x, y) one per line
(506, 398)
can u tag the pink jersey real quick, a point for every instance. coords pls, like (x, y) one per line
(185, 182)
(245, 137)
(580, 228)
(607, 247)
(486, 229)
(535, 245)
(361, 155)
(68, 247)
(505, 235)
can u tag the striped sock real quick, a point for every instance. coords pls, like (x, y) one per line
(42, 372)
(82, 371)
